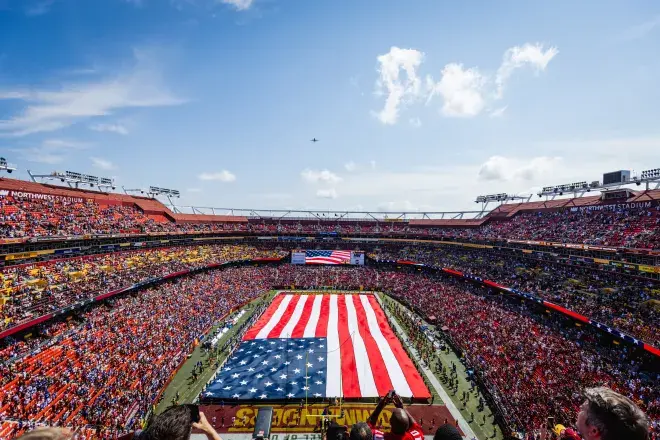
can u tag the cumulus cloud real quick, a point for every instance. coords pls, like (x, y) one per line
(222, 176)
(101, 163)
(321, 176)
(113, 128)
(350, 166)
(498, 168)
(461, 91)
(326, 193)
(399, 91)
(415, 122)
(49, 110)
(532, 55)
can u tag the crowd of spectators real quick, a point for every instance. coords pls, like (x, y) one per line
(29, 217)
(624, 302)
(81, 372)
(102, 370)
(630, 228)
(532, 363)
(636, 227)
(31, 290)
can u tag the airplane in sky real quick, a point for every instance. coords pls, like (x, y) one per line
(314, 140)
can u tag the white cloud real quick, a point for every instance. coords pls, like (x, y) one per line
(516, 57)
(461, 90)
(322, 176)
(49, 110)
(239, 5)
(50, 151)
(641, 30)
(63, 144)
(40, 8)
(113, 128)
(464, 91)
(326, 193)
(498, 168)
(373, 164)
(415, 122)
(223, 176)
(101, 163)
(350, 166)
(399, 91)
(498, 112)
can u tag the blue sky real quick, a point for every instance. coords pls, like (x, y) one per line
(418, 105)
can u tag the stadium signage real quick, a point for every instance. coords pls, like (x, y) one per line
(288, 418)
(613, 207)
(39, 196)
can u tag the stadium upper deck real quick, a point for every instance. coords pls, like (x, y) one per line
(29, 210)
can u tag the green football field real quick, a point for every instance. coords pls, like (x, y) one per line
(182, 383)
(481, 423)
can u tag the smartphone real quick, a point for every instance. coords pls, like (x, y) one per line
(194, 412)
(551, 423)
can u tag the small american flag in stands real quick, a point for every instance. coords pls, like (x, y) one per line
(328, 257)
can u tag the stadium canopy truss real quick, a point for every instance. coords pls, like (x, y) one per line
(326, 215)
(612, 186)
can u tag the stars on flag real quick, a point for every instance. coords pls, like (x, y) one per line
(262, 369)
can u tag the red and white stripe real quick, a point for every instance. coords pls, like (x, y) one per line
(364, 357)
(337, 257)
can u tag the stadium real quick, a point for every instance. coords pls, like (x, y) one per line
(322, 220)
(116, 307)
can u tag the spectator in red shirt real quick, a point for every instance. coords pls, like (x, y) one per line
(403, 424)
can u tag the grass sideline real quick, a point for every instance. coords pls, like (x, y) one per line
(189, 391)
(483, 430)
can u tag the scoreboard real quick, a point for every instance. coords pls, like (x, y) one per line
(327, 257)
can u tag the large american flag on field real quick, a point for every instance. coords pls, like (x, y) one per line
(327, 257)
(318, 346)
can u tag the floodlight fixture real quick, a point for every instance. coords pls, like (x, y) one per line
(158, 191)
(74, 179)
(6, 166)
(650, 174)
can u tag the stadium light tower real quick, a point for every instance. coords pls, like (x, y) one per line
(155, 191)
(74, 179)
(576, 188)
(647, 177)
(6, 166)
(611, 181)
(499, 199)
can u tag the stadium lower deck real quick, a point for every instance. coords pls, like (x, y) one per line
(308, 314)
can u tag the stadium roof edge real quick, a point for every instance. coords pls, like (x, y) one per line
(229, 215)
